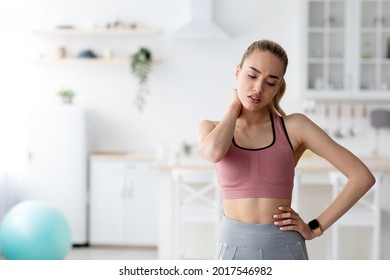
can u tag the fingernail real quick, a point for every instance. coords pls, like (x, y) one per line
(276, 223)
(280, 208)
(275, 216)
(281, 228)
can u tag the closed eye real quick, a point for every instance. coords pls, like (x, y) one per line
(270, 84)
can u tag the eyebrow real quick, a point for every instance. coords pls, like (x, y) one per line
(258, 71)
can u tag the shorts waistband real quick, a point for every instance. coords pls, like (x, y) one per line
(257, 235)
(238, 226)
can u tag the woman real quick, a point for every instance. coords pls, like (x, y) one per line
(256, 147)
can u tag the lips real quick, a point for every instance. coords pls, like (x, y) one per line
(254, 98)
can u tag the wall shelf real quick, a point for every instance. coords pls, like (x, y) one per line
(86, 61)
(82, 32)
(96, 31)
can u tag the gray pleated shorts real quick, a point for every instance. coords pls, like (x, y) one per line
(245, 241)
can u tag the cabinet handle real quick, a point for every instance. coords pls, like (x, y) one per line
(380, 20)
(30, 157)
(123, 189)
(128, 187)
(349, 81)
(129, 167)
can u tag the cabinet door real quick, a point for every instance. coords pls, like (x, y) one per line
(107, 204)
(326, 45)
(374, 45)
(143, 208)
(123, 203)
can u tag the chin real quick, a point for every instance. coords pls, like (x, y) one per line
(251, 108)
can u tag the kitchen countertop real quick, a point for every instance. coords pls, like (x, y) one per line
(122, 156)
(309, 162)
(313, 163)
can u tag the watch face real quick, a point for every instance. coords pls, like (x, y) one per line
(313, 224)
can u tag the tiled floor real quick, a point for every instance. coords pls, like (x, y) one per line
(110, 253)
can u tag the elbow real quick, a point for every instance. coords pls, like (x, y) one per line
(371, 180)
(216, 158)
(210, 154)
(368, 180)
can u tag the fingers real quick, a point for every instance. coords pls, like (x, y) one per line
(289, 224)
(235, 103)
(235, 96)
(287, 212)
(287, 209)
(290, 228)
(285, 222)
(288, 220)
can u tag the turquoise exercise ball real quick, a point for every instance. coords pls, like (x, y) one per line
(34, 230)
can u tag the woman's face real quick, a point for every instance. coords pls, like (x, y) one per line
(259, 79)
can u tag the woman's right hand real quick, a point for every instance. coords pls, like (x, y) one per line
(235, 104)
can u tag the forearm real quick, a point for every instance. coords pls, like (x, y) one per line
(353, 190)
(216, 143)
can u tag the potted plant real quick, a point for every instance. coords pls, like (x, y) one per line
(67, 95)
(141, 65)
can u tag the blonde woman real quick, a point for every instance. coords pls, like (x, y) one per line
(256, 147)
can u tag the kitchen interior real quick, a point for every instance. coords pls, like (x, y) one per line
(84, 131)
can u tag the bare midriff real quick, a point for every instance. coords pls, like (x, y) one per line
(254, 210)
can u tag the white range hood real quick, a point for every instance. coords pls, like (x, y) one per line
(201, 24)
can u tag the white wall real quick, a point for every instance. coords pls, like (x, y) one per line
(191, 81)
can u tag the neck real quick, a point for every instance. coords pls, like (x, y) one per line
(249, 118)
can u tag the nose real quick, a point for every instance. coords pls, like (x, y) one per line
(257, 87)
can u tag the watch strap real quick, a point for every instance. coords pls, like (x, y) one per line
(317, 231)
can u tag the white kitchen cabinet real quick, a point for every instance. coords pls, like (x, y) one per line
(347, 49)
(374, 42)
(123, 202)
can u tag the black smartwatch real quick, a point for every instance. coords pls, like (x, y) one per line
(314, 225)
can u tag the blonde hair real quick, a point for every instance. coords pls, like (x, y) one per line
(279, 52)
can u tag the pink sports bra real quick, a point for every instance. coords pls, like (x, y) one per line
(256, 173)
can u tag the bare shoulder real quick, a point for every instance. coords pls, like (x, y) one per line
(296, 119)
(296, 125)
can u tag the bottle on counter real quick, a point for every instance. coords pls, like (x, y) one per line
(388, 47)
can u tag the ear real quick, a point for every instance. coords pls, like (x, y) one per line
(238, 69)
